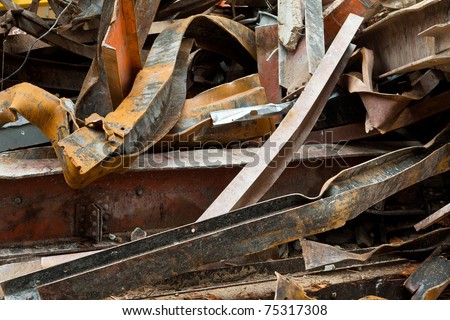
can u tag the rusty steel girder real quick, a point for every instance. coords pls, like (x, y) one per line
(153, 194)
(253, 182)
(248, 230)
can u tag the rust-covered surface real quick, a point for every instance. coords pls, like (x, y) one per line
(234, 149)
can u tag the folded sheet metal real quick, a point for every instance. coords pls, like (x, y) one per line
(384, 109)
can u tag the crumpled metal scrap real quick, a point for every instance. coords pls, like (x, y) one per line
(147, 114)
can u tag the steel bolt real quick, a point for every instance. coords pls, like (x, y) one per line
(106, 206)
(104, 228)
(94, 213)
(94, 224)
(334, 295)
(106, 217)
(139, 192)
(81, 219)
(94, 234)
(18, 200)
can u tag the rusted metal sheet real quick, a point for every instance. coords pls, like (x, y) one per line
(384, 109)
(396, 42)
(184, 9)
(293, 69)
(121, 51)
(267, 51)
(248, 230)
(34, 25)
(289, 289)
(410, 115)
(153, 195)
(147, 114)
(383, 279)
(315, 43)
(430, 279)
(20, 43)
(194, 127)
(38, 162)
(53, 76)
(335, 15)
(253, 182)
(440, 33)
(435, 217)
(95, 96)
(319, 254)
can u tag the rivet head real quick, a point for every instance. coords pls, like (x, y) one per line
(139, 192)
(18, 200)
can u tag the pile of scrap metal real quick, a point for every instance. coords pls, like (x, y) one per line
(225, 149)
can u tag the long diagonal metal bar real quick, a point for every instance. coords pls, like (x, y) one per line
(143, 262)
(252, 182)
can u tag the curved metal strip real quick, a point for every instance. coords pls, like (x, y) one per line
(151, 109)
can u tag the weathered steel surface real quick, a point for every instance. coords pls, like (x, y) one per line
(153, 105)
(253, 182)
(315, 43)
(383, 279)
(53, 76)
(34, 25)
(384, 109)
(95, 95)
(430, 279)
(194, 127)
(152, 195)
(290, 22)
(435, 217)
(319, 254)
(335, 15)
(245, 231)
(121, 51)
(293, 70)
(396, 42)
(289, 289)
(266, 48)
(184, 9)
(410, 115)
